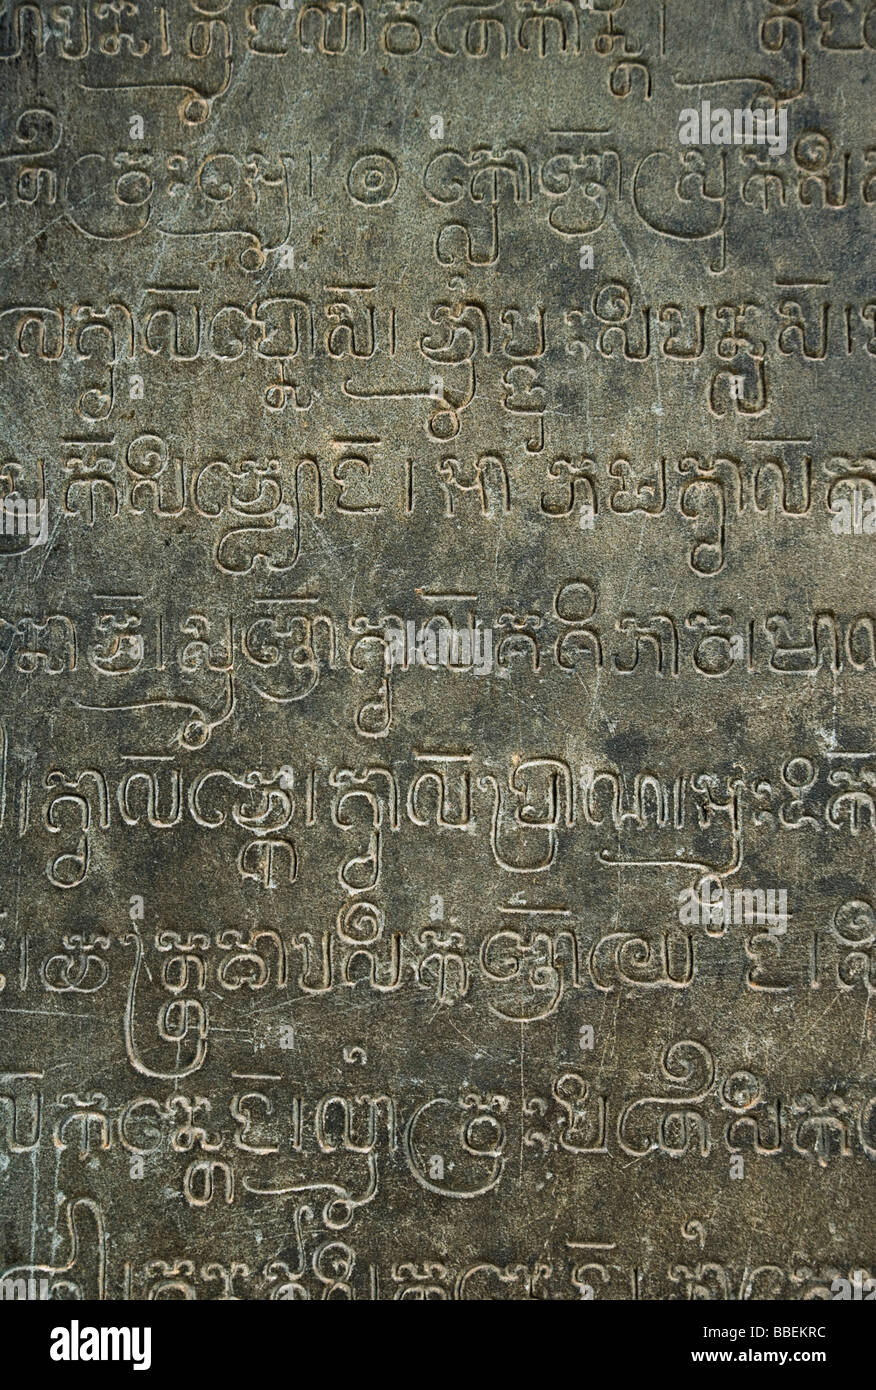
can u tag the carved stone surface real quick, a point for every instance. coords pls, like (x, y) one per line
(437, 771)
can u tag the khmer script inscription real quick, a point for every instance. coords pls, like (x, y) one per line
(437, 649)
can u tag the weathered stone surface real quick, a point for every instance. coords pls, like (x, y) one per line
(340, 958)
